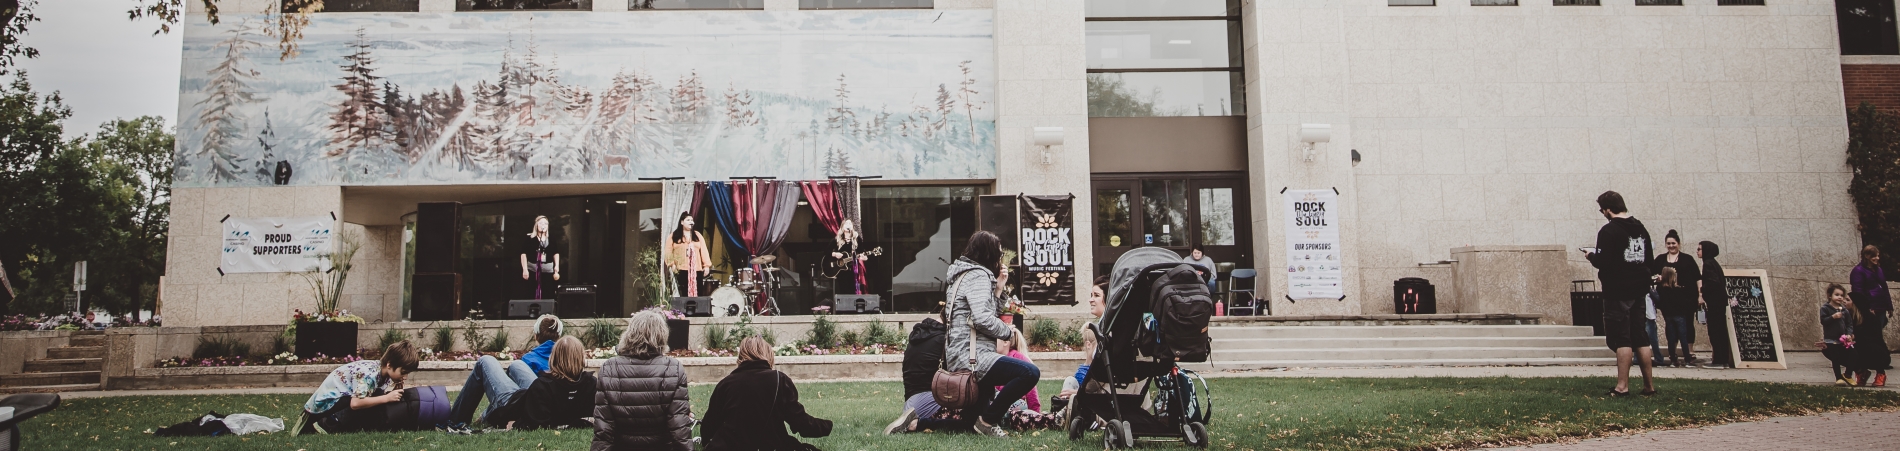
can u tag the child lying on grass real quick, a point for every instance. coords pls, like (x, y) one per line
(344, 402)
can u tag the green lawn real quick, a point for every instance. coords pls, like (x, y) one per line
(1251, 413)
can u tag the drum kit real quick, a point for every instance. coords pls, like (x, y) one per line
(729, 298)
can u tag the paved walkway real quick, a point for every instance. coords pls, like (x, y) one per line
(1803, 368)
(1849, 431)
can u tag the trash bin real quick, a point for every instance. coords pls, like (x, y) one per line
(1414, 295)
(1586, 305)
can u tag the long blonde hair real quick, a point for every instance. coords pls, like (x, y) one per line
(755, 348)
(849, 226)
(568, 359)
(1669, 278)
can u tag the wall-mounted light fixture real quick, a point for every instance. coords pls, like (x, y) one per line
(1355, 158)
(1048, 137)
(1315, 133)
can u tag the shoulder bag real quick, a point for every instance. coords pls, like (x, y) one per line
(956, 389)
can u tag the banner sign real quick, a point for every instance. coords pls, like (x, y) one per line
(1313, 254)
(253, 245)
(1047, 256)
(1751, 320)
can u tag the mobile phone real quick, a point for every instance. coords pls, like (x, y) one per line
(1589, 250)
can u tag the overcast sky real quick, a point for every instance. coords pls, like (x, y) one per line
(103, 65)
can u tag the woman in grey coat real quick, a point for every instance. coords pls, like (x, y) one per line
(640, 397)
(972, 306)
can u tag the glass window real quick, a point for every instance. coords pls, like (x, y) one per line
(1741, 2)
(529, 5)
(1163, 44)
(1586, 2)
(1217, 216)
(1493, 2)
(1152, 8)
(1867, 27)
(1113, 227)
(864, 4)
(1411, 3)
(362, 6)
(695, 4)
(1658, 2)
(1164, 208)
(1151, 94)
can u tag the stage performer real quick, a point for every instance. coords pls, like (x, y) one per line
(540, 264)
(686, 255)
(850, 276)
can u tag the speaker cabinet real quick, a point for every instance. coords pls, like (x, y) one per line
(693, 306)
(532, 308)
(438, 233)
(848, 304)
(576, 301)
(435, 297)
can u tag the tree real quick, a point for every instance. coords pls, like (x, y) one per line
(357, 124)
(138, 153)
(841, 117)
(14, 17)
(226, 92)
(966, 93)
(30, 128)
(1873, 150)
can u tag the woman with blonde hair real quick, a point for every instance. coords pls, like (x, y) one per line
(751, 408)
(640, 399)
(562, 396)
(850, 278)
(539, 260)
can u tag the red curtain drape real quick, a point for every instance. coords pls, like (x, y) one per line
(823, 197)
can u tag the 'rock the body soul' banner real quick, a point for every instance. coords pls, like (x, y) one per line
(254, 245)
(1313, 254)
(1047, 225)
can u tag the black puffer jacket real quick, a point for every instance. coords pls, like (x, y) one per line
(641, 404)
(922, 356)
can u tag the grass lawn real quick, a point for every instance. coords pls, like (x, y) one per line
(1250, 413)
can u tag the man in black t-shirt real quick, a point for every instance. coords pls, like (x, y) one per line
(1621, 256)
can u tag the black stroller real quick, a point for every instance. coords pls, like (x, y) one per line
(1157, 314)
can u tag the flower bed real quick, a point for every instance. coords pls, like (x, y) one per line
(62, 322)
(291, 359)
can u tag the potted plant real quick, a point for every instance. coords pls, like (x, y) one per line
(678, 328)
(329, 331)
(1013, 311)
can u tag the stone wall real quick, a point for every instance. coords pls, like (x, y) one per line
(17, 347)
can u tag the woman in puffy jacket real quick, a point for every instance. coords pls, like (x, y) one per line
(640, 400)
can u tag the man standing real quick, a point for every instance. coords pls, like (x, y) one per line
(1621, 257)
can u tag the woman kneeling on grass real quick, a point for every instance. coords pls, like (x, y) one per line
(342, 404)
(563, 396)
(751, 407)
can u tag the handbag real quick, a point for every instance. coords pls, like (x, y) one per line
(956, 389)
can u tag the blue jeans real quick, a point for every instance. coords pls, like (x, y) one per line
(1681, 330)
(1655, 350)
(489, 378)
(1015, 376)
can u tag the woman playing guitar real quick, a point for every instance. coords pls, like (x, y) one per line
(850, 278)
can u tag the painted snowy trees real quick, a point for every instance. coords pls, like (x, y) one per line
(227, 91)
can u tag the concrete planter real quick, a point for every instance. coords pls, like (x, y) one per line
(335, 339)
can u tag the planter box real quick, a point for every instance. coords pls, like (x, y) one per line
(678, 333)
(334, 339)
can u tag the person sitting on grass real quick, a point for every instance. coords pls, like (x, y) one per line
(751, 408)
(561, 397)
(546, 329)
(640, 399)
(1098, 300)
(517, 394)
(490, 378)
(1837, 335)
(343, 403)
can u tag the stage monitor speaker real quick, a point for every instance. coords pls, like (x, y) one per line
(438, 233)
(435, 297)
(577, 301)
(693, 306)
(532, 308)
(849, 304)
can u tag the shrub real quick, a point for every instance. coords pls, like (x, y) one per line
(823, 333)
(717, 337)
(1044, 332)
(496, 343)
(279, 344)
(390, 336)
(1873, 150)
(876, 333)
(849, 338)
(603, 333)
(444, 339)
(1071, 336)
(210, 347)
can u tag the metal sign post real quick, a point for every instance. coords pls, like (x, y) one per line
(79, 285)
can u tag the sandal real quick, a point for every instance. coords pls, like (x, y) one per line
(1649, 392)
(1618, 394)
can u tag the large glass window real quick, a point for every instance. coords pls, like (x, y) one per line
(918, 229)
(1182, 59)
(1217, 216)
(1176, 211)
(523, 5)
(1867, 27)
(695, 4)
(865, 4)
(1112, 216)
(360, 6)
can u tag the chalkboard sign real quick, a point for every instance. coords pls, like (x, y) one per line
(1752, 323)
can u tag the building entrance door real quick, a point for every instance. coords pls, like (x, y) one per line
(1175, 211)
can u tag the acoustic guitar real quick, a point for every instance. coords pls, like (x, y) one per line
(838, 266)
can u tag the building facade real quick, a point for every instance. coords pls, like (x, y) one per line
(1452, 123)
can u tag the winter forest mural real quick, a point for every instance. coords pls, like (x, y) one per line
(401, 99)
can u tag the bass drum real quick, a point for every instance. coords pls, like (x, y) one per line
(727, 301)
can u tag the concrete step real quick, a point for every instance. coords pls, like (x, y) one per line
(63, 365)
(60, 378)
(1263, 364)
(77, 352)
(1223, 332)
(1393, 354)
(1386, 343)
(86, 340)
(49, 388)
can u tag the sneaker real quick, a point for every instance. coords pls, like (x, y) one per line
(1880, 380)
(1841, 382)
(903, 422)
(983, 427)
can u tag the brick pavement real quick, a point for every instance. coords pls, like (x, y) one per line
(1845, 431)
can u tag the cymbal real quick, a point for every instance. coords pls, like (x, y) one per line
(764, 259)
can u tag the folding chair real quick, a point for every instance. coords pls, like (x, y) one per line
(1241, 282)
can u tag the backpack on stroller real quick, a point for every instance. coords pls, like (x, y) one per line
(1157, 314)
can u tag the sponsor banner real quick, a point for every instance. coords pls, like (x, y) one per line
(1047, 230)
(254, 245)
(1313, 254)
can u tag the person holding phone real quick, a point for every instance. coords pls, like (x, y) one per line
(1622, 257)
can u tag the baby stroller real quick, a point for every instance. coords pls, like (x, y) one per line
(1157, 314)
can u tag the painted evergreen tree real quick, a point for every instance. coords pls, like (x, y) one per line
(356, 126)
(966, 93)
(940, 118)
(838, 163)
(218, 115)
(739, 108)
(689, 99)
(266, 160)
(840, 117)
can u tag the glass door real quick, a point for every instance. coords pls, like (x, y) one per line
(1173, 211)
